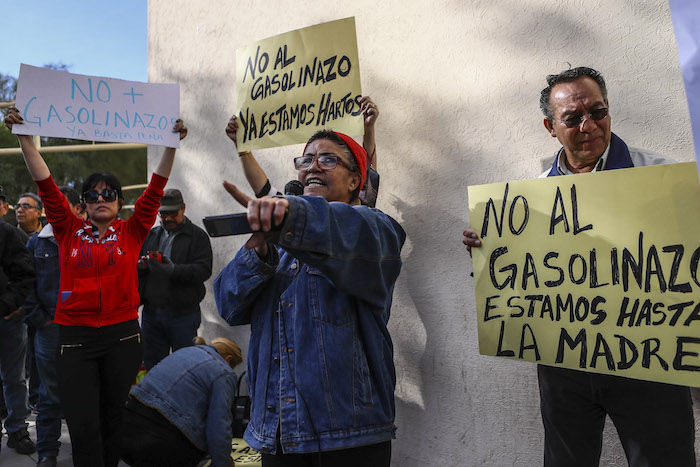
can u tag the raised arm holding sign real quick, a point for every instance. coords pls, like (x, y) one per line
(100, 338)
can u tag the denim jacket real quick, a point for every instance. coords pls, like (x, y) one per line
(320, 358)
(40, 305)
(193, 388)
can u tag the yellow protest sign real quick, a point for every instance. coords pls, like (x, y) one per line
(597, 272)
(291, 85)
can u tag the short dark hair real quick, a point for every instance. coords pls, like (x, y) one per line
(72, 195)
(35, 197)
(568, 76)
(109, 179)
(333, 136)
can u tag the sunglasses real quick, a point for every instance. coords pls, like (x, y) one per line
(325, 162)
(24, 206)
(576, 120)
(166, 214)
(108, 195)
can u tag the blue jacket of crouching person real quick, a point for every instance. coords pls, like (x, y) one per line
(320, 358)
(194, 389)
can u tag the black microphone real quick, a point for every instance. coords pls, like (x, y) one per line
(294, 188)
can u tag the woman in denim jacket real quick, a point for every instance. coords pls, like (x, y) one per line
(181, 410)
(315, 283)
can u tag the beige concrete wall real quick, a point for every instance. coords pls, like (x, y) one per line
(457, 83)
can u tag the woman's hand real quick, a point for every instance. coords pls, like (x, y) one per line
(370, 111)
(231, 130)
(180, 128)
(13, 118)
(263, 215)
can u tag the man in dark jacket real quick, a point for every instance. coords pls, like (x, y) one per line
(16, 282)
(175, 261)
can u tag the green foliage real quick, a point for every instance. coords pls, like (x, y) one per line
(67, 168)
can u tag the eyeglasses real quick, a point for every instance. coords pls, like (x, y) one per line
(325, 162)
(108, 194)
(577, 120)
(24, 206)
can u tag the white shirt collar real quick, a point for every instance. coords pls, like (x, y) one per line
(564, 169)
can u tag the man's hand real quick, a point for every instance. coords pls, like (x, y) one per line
(47, 323)
(143, 263)
(15, 316)
(263, 215)
(166, 267)
(471, 239)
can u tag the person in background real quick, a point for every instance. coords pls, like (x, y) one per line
(97, 310)
(28, 214)
(4, 205)
(172, 286)
(256, 176)
(40, 309)
(181, 410)
(16, 283)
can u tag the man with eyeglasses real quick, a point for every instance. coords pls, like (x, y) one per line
(654, 420)
(28, 214)
(176, 259)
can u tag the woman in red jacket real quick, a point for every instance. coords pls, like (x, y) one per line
(100, 338)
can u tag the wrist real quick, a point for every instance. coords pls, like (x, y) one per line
(244, 153)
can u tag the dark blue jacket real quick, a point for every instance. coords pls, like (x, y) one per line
(40, 305)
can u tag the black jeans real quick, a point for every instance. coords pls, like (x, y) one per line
(373, 455)
(654, 420)
(150, 440)
(96, 369)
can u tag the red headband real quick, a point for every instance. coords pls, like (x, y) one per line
(357, 151)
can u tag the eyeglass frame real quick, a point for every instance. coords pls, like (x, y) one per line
(166, 214)
(582, 118)
(106, 193)
(25, 206)
(317, 158)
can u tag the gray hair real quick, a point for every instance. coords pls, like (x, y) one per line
(35, 197)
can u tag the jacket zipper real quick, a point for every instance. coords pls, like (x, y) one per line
(137, 335)
(70, 346)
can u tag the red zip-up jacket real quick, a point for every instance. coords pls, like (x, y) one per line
(99, 284)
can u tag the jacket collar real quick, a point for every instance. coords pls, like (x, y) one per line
(46, 232)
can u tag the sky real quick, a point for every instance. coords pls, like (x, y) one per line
(95, 37)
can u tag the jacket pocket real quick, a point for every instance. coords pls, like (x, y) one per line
(116, 294)
(327, 304)
(83, 297)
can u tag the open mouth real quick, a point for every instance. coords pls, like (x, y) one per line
(313, 181)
